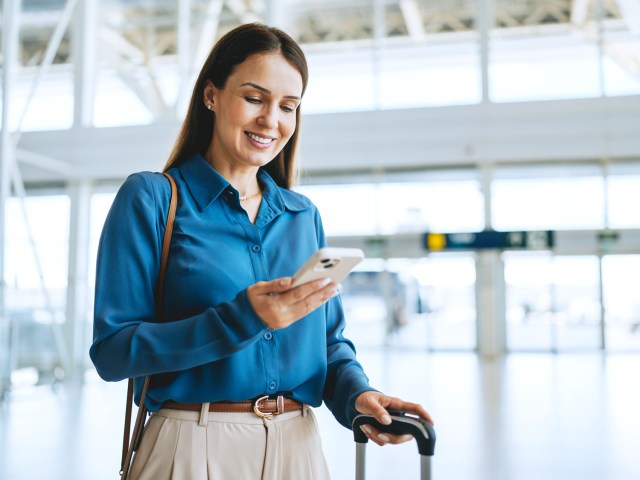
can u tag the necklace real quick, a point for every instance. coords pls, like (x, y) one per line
(247, 197)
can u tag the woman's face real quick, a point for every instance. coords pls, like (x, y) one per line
(255, 111)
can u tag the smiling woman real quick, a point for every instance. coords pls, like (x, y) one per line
(241, 356)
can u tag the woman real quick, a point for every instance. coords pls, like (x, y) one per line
(240, 356)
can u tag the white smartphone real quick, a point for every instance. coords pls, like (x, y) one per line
(328, 262)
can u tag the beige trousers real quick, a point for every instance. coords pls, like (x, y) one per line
(184, 445)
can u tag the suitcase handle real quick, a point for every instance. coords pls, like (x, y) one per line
(402, 424)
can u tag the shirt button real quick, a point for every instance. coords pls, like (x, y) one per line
(256, 248)
(268, 336)
(272, 385)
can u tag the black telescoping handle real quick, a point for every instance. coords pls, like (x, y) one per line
(401, 424)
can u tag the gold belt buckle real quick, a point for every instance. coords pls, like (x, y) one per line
(260, 413)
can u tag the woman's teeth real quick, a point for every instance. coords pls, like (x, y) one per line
(258, 139)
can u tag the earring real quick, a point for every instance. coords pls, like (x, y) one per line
(209, 106)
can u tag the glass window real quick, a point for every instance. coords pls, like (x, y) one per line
(621, 284)
(623, 191)
(341, 81)
(345, 209)
(543, 198)
(116, 104)
(528, 301)
(552, 302)
(542, 67)
(421, 303)
(621, 48)
(446, 206)
(447, 284)
(430, 75)
(37, 257)
(50, 108)
(400, 206)
(537, 53)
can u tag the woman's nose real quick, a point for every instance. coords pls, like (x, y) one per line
(268, 118)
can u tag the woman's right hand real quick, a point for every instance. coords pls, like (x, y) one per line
(279, 306)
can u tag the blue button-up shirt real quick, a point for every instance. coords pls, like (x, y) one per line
(211, 345)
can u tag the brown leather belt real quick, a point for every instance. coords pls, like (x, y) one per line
(263, 407)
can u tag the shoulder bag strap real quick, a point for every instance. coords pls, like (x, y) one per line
(128, 448)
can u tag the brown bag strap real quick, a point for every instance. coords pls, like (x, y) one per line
(128, 448)
(127, 424)
(171, 216)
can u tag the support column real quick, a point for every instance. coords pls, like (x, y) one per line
(183, 34)
(85, 40)
(10, 37)
(379, 35)
(490, 304)
(75, 327)
(484, 19)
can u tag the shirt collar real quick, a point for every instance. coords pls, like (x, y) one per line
(203, 182)
(205, 185)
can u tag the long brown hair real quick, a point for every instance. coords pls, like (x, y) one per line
(231, 50)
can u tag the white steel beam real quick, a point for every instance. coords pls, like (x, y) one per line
(76, 321)
(184, 53)
(47, 61)
(116, 43)
(579, 11)
(85, 41)
(412, 18)
(124, 54)
(150, 97)
(10, 28)
(45, 162)
(208, 33)
(485, 14)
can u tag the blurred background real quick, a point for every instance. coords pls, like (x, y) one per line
(484, 153)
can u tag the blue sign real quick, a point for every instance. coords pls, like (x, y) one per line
(489, 239)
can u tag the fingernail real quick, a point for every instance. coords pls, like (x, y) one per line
(324, 282)
(383, 438)
(365, 429)
(284, 282)
(385, 419)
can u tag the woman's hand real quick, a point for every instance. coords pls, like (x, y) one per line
(376, 404)
(279, 306)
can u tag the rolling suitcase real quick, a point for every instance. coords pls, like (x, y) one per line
(401, 424)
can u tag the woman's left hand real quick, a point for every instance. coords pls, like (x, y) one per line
(376, 404)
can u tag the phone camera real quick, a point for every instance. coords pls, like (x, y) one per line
(329, 262)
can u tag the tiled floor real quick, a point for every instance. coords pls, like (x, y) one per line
(526, 417)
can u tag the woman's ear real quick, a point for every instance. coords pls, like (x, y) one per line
(208, 94)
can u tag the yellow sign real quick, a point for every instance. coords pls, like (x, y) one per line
(436, 241)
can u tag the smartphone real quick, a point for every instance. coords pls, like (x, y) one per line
(328, 262)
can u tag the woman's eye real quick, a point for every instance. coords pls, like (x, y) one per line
(252, 100)
(288, 108)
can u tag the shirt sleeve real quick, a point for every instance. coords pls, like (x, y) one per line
(346, 379)
(127, 340)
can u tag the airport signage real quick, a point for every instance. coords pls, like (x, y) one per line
(489, 239)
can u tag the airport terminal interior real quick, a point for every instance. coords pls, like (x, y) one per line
(484, 154)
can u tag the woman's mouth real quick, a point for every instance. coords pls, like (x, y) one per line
(261, 140)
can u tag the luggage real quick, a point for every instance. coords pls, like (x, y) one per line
(401, 424)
